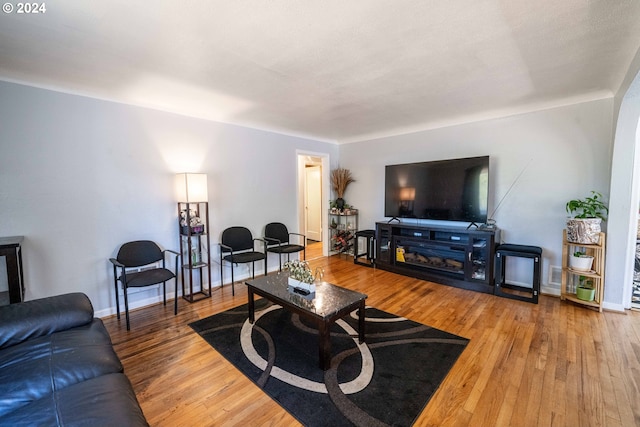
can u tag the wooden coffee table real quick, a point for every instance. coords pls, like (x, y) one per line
(329, 304)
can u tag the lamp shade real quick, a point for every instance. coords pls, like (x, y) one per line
(191, 187)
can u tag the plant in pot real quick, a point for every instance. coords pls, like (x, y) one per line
(300, 275)
(580, 261)
(587, 215)
(340, 180)
(585, 290)
(333, 206)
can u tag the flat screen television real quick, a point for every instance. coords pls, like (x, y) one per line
(451, 190)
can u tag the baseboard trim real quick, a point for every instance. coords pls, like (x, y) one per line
(110, 311)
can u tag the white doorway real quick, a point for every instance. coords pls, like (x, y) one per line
(624, 200)
(313, 202)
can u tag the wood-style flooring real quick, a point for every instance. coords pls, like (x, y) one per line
(550, 364)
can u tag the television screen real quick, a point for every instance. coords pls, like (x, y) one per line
(452, 190)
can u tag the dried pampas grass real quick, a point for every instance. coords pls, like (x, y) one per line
(340, 179)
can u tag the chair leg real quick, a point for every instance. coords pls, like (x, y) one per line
(233, 288)
(117, 300)
(221, 271)
(115, 282)
(265, 265)
(175, 298)
(126, 308)
(304, 253)
(280, 260)
(164, 293)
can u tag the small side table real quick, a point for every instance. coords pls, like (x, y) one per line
(370, 235)
(10, 247)
(522, 251)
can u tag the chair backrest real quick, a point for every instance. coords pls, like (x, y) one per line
(139, 253)
(238, 238)
(278, 231)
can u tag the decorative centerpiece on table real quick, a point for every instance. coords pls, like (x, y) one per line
(300, 275)
(340, 180)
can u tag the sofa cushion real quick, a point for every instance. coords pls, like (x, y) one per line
(108, 400)
(31, 319)
(38, 367)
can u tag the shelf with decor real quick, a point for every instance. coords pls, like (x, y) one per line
(194, 250)
(343, 225)
(583, 284)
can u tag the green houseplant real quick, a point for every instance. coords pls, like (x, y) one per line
(589, 207)
(587, 214)
(581, 261)
(585, 290)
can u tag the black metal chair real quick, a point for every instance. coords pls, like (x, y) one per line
(138, 255)
(239, 244)
(279, 241)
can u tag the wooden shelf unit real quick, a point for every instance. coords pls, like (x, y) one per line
(571, 277)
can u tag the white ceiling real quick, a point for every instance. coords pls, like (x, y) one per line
(335, 70)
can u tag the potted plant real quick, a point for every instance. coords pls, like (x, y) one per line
(580, 261)
(585, 290)
(587, 215)
(333, 207)
(300, 276)
(340, 180)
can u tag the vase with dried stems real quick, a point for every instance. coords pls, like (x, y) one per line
(340, 180)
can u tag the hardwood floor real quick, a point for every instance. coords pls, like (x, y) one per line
(550, 364)
(314, 250)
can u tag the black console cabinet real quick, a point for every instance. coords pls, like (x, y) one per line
(453, 256)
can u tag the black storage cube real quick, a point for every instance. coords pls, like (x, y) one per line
(522, 251)
(370, 235)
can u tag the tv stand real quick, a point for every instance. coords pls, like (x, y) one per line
(454, 256)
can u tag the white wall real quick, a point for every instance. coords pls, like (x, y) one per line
(625, 196)
(80, 176)
(564, 152)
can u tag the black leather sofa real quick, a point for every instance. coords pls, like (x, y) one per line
(58, 367)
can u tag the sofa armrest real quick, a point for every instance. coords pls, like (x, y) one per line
(22, 321)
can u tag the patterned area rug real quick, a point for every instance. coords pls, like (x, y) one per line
(387, 381)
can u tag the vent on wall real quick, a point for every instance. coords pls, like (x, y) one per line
(555, 275)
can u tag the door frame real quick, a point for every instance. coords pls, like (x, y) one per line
(312, 175)
(325, 166)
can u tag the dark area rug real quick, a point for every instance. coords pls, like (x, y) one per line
(386, 381)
